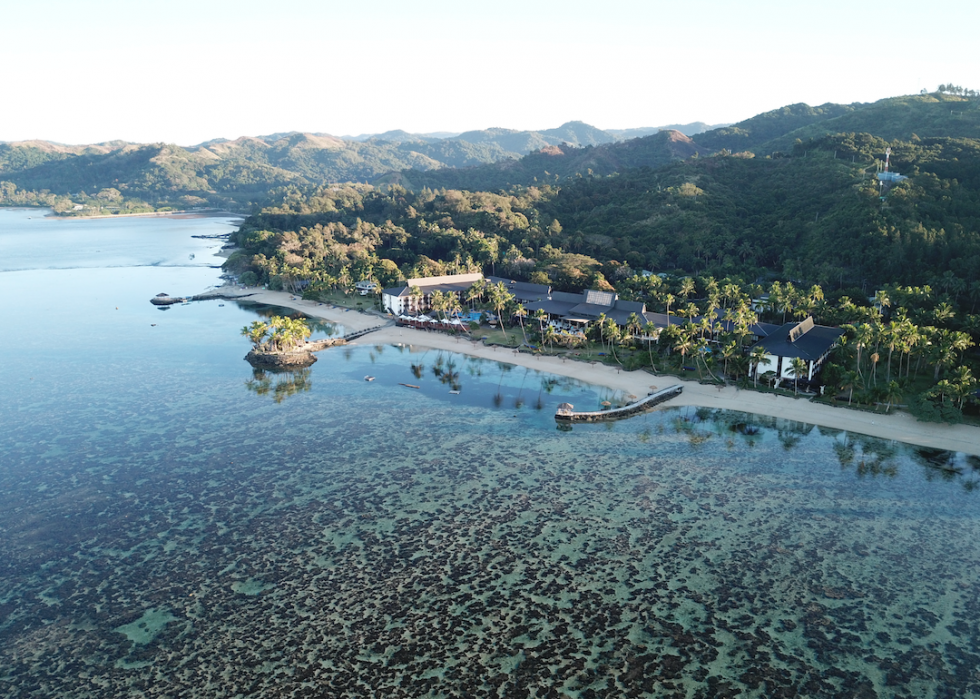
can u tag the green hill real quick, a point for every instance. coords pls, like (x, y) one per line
(896, 118)
(552, 164)
(751, 133)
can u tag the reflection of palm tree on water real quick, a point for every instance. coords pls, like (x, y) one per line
(498, 397)
(446, 372)
(286, 384)
(519, 401)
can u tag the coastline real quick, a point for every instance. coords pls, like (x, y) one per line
(898, 426)
(152, 214)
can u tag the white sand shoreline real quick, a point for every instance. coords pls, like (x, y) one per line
(899, 426)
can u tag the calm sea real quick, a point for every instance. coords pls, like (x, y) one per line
(173, 524)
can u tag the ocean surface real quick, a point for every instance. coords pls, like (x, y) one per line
(174, 524)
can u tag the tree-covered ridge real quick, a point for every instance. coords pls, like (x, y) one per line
(553, 164)
(749, 134)
(935, 115)
(943, 113)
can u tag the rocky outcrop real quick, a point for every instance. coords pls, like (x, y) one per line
(166, 300)
(280, 360)
(302, 356)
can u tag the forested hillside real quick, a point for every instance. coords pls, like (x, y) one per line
(898, 118)
(553, 164)
(751, 133)
(814, 215)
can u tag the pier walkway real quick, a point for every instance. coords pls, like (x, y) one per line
(566, 414)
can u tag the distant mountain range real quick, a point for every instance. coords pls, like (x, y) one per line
(241, 173)
(574, 133)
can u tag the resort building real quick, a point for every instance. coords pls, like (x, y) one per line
(811, 343)
(399, 300)
(524, 292)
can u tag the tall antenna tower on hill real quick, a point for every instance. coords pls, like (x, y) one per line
(886, 179)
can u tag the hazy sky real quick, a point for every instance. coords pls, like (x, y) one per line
(182, 71)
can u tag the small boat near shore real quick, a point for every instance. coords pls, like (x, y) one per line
(409, 385)
(369, 378)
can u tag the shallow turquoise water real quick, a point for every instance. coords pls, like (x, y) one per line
(174, 525)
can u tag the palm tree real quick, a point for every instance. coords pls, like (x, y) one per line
(633, 324)
(520, 312)
(437, 302)
(728, 352)
(541, 317)
(475, 292)
(549, 335)
(943, 389)
(650, 330)
(964, 382)
(882, 301)
(416, 295)
(686, 287)
(862, 338)
(499, 297)
(668, 299)
(256, 333)
(849, 381)
(892, 393)
(600, 326)
(798, 368)
(684, 344)
(613, 334)
(757, 355)
(949, 343)
(451, 304)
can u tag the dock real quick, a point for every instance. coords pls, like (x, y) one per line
(566, 414)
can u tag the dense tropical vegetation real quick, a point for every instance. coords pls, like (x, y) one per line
(810, 226)
(280, 334)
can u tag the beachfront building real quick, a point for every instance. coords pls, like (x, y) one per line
(400, 301)
(523, 292)
(574, 312)
(810, 342)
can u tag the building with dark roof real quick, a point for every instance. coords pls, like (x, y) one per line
(810, 342)
(524, 292)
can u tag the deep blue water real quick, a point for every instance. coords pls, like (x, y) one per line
(173, 524)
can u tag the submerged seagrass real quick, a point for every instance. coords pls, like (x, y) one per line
(175, 525)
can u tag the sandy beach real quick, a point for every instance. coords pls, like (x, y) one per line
(898, 426)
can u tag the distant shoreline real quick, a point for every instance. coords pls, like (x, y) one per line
(897, 426)
(209, 213)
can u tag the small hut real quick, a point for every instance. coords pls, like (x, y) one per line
(565, 409)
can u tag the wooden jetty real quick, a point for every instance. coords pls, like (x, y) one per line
(566, 413)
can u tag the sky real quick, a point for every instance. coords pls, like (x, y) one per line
(187, 71)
